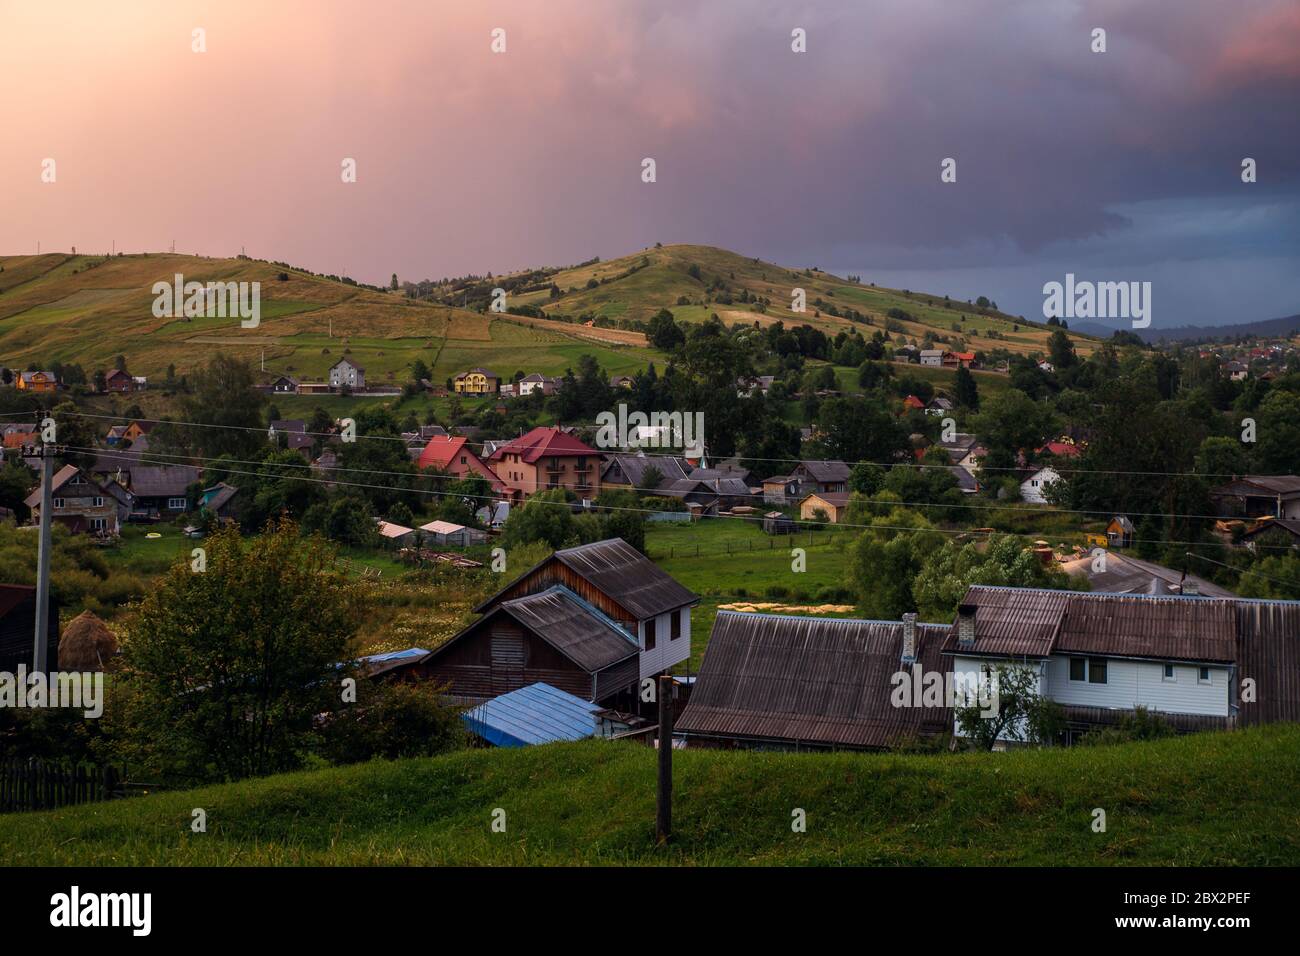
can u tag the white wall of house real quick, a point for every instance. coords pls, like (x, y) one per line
(667, 650)
(975, 665)
(1131, 684)
(1032, 488)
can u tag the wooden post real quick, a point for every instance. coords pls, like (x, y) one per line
(664, 797)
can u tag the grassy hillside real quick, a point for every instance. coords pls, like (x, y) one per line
(627, 288)
(1215, 799)
(87, 309)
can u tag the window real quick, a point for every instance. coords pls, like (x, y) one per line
(97, 502)
(175, 504)
(98, 524)
(1090, 669)
(1204, 676)
(1169, 673)
(59, 502)
(676, 628)
(650, 634)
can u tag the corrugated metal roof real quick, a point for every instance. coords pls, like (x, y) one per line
(823, 681)
(573, 627)
(627, 576)
(536, 714)
(1034, 622)
(1268, 653)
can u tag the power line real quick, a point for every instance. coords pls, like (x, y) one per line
(173, 460)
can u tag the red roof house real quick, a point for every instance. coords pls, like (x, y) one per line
(547, 458)
(454, 456)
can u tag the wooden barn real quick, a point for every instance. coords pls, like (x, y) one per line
(552, 636)
(626, 586)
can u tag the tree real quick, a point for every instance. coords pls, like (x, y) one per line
(663, 332)
(967, 392)
(1012, 422)
(1003, 562)
(545, 517)
(227, 670)
(1019, 713)
(866, 478)
(225, 409)
(885, 559)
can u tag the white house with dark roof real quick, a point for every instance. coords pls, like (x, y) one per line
(347, 372)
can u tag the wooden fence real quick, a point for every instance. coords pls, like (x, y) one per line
(34, 784)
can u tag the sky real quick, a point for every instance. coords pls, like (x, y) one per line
(1123, 165)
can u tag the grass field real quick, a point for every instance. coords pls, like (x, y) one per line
(1223, 799)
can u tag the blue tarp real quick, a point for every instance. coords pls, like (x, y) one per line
(536, 714)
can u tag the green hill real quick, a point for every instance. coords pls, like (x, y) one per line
(702, 277)
(1210, 799)
(88, 309)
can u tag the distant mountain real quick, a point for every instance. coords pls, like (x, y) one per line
(1270, 328)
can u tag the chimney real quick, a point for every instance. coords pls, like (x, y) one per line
(909, 639)
(1191, 587)
(966, 625)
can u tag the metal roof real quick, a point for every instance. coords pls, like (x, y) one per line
(162, 481)
(536, 714)
(1035, 622)
(810, 680)
(573, 627)
(628, 576)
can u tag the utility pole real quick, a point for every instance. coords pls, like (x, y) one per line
(46, 453)
(664, 794)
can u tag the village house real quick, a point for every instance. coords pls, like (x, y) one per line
(545, 458)
(912, 403)
(939, 406)
(1103, 655)
(18, 434)
(959, 359)
(1119, 532)
(628, 471)
(78, 502)
(477, 381)
(293, 432)
(536, 382)
(1269, 534)
(161, 491)
(455, 457)
(1034, 487)
(221, 501)
(137, 430)
(932, 357)
(622, 381)
(799, 683)
(592, 620)
(38, 382)
(119, 381)
(832, 504)
(284, 385)
(347, 373)
(1258, 496)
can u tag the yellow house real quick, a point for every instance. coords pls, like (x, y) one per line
(477, 381)
(37, 381)
(832, 503)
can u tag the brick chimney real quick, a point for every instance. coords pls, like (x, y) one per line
(909, 639)
(966, 625)
(1191, 587)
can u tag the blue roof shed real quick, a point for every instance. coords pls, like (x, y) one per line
(536, 714)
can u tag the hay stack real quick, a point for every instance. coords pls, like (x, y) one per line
(86, 645)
